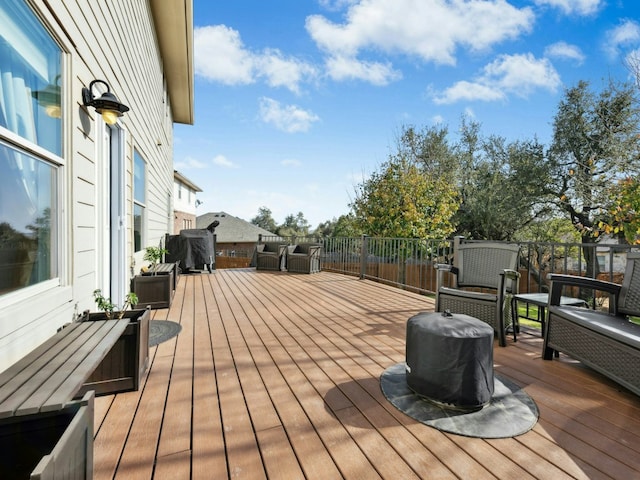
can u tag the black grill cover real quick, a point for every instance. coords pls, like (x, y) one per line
(450, 359)
(193, 248)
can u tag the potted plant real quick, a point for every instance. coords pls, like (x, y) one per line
(154, 255)
(155, 286)
(105, 304)
(124, 366)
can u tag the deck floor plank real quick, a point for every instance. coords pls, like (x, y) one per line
(276, 375)
(175, 436)
(241, 445)
(310, 451)
(348, 458)
(209, 459)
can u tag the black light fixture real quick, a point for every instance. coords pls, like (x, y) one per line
(107, 105)
(49, 99)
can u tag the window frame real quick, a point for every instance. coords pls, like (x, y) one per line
(137, 155)
(60, 249)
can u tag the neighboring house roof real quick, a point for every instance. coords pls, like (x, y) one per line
(185, 181)
(231, 229)
(174, 28)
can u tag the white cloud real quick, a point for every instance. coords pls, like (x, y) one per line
(288, 118)
(564, 50)
(221, 56)
(580, 7)
(432, 31)
(189, 163)
(469, 91)
(222, 161)
(335, 5)
(349, 68)
(627, 34)
(507, 75)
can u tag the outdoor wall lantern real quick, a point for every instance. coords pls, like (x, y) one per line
(49, 99)
(107, 105)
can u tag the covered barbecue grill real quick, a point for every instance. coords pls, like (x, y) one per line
(195, 249)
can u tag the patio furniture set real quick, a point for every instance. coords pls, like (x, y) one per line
(298, 258)
(607, 341)
(485, 286)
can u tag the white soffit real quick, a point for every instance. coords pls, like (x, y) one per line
(174, 29)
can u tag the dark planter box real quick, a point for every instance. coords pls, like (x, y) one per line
(155, 291)
(55, 444)
(126, 363)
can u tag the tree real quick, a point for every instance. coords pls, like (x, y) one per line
(632, 62)
(265, 220)
(502, 187)
(595, 144)
(625, 211)
(294, 225)
(343, 226)
(431, 150)
(405, 198)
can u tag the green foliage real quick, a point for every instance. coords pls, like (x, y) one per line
(104, 304)
(154, 255)
(595, 143)
(265, 220)
(402, 200)
(624, 214)
(554, 230)
(344, 226)
(294, 225)
(503, 185)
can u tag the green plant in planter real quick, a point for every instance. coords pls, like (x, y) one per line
(154, 255)
(108, 307)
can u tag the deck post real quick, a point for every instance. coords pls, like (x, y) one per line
(364, 252)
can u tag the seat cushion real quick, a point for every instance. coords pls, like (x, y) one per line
(482, 296)
(616, 327)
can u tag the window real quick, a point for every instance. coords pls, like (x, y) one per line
(139, 200)
(30, 116)
(30, 78)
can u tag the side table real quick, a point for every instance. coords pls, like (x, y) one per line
(540, 300)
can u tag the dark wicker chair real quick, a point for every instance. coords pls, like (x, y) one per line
(270, 256)
(485, 277)
(304, 258)
(605, 340)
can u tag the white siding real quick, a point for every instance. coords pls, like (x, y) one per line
(187, 203)
(112, 41)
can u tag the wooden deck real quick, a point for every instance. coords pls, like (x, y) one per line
(276, 375)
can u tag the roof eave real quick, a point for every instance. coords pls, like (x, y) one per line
(174, 28)
(181, 178)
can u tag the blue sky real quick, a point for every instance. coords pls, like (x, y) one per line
(296, 101)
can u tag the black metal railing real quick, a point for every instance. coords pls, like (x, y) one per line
(409, 263)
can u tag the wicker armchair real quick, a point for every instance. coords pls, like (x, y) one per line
(270, 256)
(485, 277)
(605, 340)
(304, 258)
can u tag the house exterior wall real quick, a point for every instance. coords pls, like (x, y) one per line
(115, 42)
(184, 203)
(182, 220)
